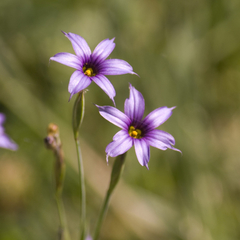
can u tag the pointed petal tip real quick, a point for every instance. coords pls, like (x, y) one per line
(64, 32)
(113, 102)
(137, 75)
(51, 59)
(70, 97)
(15, 147)
(107, 158)
(175, 149)
(130, 86)
(130, 71)
(106, 86)
(98, 106)
(133, 73)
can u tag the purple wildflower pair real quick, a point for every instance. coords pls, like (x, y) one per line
(135, 131)
(5, 141)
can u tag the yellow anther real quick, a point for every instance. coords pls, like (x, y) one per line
(89, 72)
(135, 133)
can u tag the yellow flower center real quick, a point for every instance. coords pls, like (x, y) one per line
(135, 133)
(88, 71)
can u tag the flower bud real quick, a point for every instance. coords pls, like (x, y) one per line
(53, 142)
(78, 112)
(116, 171)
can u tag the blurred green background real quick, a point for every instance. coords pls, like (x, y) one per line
(187, 54)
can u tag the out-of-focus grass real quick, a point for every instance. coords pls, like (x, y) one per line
(187, 54)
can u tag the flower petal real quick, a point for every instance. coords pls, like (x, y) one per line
(142, 151)
(105, 85)
(114, 116)
(120, 134)
(78, 82)
(6, 142)
(134, 105)
(161, 135)
(157, 117)
(103, 50)
(2, 118)
(121, 145)
(80, 45)
(160, 139)
(115, 67)
(67, 59)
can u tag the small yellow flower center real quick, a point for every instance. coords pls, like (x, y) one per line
(88, 71)
(135, 133)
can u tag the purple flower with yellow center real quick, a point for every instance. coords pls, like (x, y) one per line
(5, 141)
(137, 131)
(92, 66)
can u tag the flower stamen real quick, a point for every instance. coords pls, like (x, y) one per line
(89, 72)
(135, 133)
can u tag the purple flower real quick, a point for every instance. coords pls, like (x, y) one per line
(5, 141)
(92, 66)
(137, 131)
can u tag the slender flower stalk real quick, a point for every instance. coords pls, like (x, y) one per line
(78, 114)
(5, 141)
(82, 190)
(53, 142)
(92, 66)
(63, 231)
(137, 131)
(115, 176)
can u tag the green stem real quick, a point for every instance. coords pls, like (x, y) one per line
(102, 215)
(115, 176)
(82, 190)
(63, 231)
